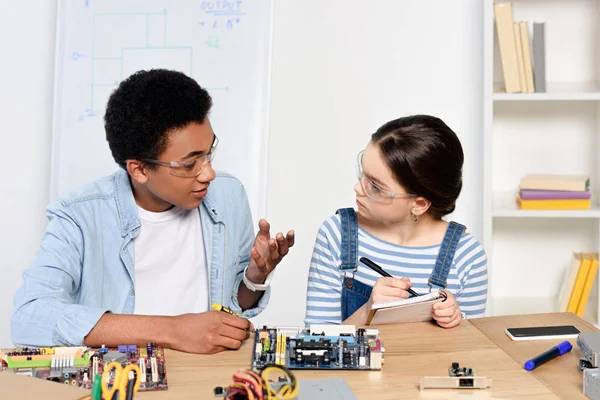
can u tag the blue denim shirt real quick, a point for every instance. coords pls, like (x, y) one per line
(86, 267)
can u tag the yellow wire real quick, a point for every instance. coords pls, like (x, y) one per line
(287, 392)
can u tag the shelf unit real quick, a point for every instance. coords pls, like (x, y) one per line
(557, 131)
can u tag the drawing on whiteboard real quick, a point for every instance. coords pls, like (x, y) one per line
(111, 63)
(76, 56)
(213, 42)
(222, 7)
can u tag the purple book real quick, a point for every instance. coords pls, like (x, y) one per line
(553, 195)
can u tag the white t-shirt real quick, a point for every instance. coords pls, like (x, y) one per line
(171, 273)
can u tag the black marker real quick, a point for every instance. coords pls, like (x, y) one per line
(381, 272)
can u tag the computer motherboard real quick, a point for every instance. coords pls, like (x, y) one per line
(318, 347)
(79, 366)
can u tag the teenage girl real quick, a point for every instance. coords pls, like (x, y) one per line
(409, 178)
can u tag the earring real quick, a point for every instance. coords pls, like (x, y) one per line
(414, 217)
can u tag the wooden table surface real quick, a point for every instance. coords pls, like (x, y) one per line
(411, 352)
(560, 375)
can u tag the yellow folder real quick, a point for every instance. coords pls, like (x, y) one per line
(584, 269)
(589, 282)
(569, 284)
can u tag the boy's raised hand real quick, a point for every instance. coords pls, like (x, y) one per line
(267, 252)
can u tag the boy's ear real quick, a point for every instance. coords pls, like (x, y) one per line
(420, 206)
(137, 170)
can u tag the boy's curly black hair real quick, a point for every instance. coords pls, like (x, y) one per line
(146, 107)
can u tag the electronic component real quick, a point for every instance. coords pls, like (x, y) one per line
(154, 369)
(458, 378)
(591, 383)
(261, 385)
(78, 366)
(589, 343)
(115, 356)
(589, 363)
(59, 357)
(219, 391)
(323, 389)
(543, 332)
(318, 347)
(142, 365)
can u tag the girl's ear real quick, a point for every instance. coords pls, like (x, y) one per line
(420, 206)
(137, 171)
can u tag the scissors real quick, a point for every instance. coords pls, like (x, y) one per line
(126, 381)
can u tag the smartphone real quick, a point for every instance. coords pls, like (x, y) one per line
(543, 332)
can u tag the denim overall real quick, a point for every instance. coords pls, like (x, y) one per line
(355, 293)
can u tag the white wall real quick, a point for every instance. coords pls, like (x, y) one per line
(340, 70)
(26, 76)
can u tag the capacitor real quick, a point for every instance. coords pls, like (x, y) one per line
(361, 336)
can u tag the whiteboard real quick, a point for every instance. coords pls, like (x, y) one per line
(224, 45)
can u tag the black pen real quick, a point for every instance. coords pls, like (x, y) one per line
(381, 272)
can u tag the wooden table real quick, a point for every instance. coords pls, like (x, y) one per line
(411, 351)
(561, 375)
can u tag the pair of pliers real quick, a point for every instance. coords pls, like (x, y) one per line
(126, 381)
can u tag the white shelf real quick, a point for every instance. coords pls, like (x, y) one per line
(554, 132)
(556, 91)
(504, 205)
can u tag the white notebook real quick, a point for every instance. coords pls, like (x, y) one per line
(414, 309)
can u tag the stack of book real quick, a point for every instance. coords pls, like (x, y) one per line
(580, 277)
(554, 192)
(523, 55)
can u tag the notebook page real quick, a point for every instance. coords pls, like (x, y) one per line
(411, 300)
(414, 312)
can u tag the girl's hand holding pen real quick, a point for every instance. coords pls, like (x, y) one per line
(390, 289)
(381, 272)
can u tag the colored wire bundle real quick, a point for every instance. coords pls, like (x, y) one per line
(288, 389)
(247, 385)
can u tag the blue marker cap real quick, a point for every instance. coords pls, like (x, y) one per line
(529, 365)
(564, 347)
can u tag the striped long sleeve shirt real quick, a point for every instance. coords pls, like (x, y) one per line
(467, 279)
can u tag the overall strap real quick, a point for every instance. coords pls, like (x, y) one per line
(349, 244)
(444, 260)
